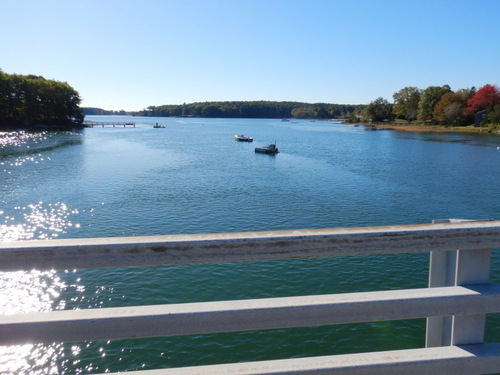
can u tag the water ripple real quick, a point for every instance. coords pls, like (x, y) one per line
(23, 292)
(38, 221)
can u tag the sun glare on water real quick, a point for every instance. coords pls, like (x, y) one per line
(37, 221)
(23, 292)
(32, 291)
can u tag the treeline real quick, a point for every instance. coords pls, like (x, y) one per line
(436, 105)
(28, 100)
(251, 109)
(102, 112)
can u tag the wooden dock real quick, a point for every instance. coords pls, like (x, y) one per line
(93, 124)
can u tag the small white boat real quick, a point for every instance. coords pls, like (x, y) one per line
(271, 149)
(243, 138)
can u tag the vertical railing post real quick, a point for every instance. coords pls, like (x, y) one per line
(442, 270)
(450, 268)
(473, 267)
(441, 273)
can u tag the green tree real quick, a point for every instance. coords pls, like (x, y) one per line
(430, 96)
(494, 116)
(6, 90)
(304, 113)
(211, 111)
(406, 103)
(466, 94)
(30, 100)
(378, 110)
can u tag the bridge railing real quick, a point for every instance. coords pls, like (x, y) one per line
(455, 304)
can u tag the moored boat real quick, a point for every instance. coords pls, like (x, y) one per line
(243, 138)
(271, 149)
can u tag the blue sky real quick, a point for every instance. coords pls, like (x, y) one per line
(130, 54)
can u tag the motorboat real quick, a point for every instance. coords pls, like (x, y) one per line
(243, 138)
(271, 149)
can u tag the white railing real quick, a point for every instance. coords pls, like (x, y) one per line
(455, 304)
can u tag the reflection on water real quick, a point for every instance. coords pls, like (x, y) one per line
(30, 359)
(33, 291)
(28, 143)
(38, 221)
(36, 291)
(23, 292)
(21, 138)
(482, 140)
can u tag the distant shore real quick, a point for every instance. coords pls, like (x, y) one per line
(431, 128)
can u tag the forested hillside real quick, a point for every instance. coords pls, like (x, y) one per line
(28, 100)
(102, 112)
(251, 109)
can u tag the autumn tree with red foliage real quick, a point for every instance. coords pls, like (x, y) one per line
(485, 98)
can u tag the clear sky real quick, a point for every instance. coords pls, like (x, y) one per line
(130, 54)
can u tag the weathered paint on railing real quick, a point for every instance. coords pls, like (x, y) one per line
(251, 246)
(465, 295)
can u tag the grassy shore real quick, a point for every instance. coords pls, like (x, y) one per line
(432, 128)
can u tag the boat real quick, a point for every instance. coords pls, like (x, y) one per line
(271, 149)
(158, 126)
(243, 138)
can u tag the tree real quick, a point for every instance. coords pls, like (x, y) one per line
(485, 98)
(378, 110)
(211, 111)
(406, 103)
(494, 116)
(304, 112)
(467, 93)
(6, 89)
(251, 109)
(430, 96)
(30, 100)
(449, 109)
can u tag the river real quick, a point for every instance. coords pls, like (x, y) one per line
(193, 177)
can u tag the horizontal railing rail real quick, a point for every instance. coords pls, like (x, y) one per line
(454, 305)
(250, 246)
(246, 315)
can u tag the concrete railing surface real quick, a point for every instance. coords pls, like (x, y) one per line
(455, 304)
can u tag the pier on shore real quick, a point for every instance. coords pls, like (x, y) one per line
(93, 124)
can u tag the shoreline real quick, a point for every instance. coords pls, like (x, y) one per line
(431, 128)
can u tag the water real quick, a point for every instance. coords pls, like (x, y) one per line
(192, 177)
